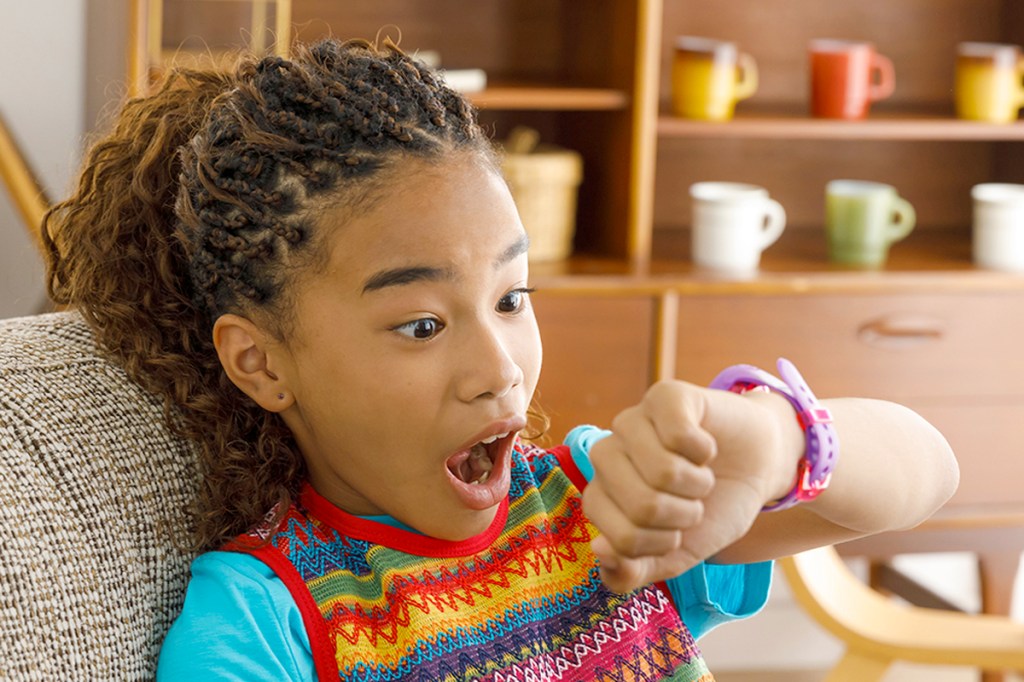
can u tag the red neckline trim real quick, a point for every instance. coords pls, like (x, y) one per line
(359, 528)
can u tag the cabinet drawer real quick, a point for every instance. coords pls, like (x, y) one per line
(901, 347)
(596, 357)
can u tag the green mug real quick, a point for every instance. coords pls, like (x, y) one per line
(862, 219)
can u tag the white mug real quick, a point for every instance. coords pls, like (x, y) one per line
(732, 224)
(998, 226)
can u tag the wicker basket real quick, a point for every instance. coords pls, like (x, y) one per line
(544, 180)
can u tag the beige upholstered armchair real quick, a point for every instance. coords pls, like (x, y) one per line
(95, 496)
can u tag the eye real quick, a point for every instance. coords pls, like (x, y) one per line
(513, 301)
(421, 329)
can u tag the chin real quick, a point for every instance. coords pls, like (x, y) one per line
(465, 525)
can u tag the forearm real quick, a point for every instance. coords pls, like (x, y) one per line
(894, 470)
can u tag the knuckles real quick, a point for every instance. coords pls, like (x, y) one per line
(635, 543)
(666, 401)
(661, 511)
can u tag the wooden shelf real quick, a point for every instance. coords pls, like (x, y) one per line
(791, 125)
(929, 261)
(549, 98)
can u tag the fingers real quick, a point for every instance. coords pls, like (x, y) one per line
(651, 487)
(624, 574)
(675, 410)
(673, 466)
(729, 511)
(644, 492)
(626, 537)
(651, 478)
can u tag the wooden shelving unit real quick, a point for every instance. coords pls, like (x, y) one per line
(882, 126)
(629, 307)
(201, 33)
(523, 97)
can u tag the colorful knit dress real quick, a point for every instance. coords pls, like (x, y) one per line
(522, 601)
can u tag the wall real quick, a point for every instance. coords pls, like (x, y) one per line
(62, 63)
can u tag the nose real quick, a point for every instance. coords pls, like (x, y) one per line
(489, 365)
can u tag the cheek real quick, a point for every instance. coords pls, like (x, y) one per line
(532, 353)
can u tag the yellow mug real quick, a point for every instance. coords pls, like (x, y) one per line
(708, 78)
(989, 82)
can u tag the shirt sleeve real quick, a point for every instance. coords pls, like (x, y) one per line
(239, 623)
(707, 595)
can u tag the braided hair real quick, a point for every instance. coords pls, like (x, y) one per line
(201, 201)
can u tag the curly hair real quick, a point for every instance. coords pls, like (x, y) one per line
(199, 202)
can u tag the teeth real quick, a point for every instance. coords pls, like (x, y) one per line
(480, 458)
(483, 478)
(485, 441)
(478, 452)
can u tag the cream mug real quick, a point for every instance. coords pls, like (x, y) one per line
(997, 230)
(732, 224)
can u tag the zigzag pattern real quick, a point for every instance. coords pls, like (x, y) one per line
(531, 608)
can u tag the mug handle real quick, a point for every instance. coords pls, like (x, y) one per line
(903, 219)
(746, 76)
(886, 82)
(774, 223)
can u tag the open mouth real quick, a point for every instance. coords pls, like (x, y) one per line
(474, 466)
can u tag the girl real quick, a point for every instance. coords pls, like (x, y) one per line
(317, 265)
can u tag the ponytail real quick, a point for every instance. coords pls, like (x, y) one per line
(115, 252)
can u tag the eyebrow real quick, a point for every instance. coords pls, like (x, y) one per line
(394, 277)
(399, 276)
(517, 249)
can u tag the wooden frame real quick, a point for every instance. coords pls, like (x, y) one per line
(146, 31)
(878, 631)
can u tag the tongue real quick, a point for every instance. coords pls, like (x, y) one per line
(469, 465)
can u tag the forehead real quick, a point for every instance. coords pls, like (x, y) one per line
(456, 213)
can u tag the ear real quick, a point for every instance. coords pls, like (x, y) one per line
(250, 358)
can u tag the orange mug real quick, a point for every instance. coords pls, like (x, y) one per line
(846, 77)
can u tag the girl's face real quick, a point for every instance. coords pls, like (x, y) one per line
(415, 354)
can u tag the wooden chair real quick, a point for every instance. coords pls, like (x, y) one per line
(29, 197)
(878, 631)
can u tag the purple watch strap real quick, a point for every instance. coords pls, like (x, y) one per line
(814, 472)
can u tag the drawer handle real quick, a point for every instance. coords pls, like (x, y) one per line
(900, 331)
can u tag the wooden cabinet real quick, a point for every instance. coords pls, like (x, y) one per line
(928, 329)
(597, 354)
(946, 345)
(898, 346)
(951, 357)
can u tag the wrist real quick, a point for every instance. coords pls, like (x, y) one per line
(814, 471)
(788, 444)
